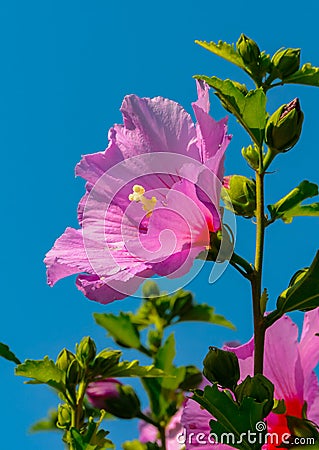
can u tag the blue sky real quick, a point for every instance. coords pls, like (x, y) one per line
(65, 69)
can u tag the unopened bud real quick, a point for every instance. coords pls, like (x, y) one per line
(150, 289)
(251, 155)
(64, 416)
(286, 62)
(64, 359)
(114, 397)
(248, 50)
(222, 367)
(73, 374)
(86, 351)
(260, 389)
(283, 128)
(239, 195)
(302, 428)
(105, 361)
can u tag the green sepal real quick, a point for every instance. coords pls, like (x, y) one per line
(6, 353)
(303, 291)
(229, 416)
(308, 75)
(224, 50)
(290, 206)
(250, 109)
(42, 371)
(279, 407)
(120, 328)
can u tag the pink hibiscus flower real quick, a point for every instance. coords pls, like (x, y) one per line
(152, 199)
(289, 364)
(148, 433)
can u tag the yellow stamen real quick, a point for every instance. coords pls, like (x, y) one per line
(138, 196)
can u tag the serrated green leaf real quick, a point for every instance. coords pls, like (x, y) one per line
(307, 75)
(224, 50)
(290, 206)
(133, 369)
(42, 371)
(205, 313)
(6, 353)
(303, 293)
(164, 361)
(229, 417)
(120, 328)
(250, 109)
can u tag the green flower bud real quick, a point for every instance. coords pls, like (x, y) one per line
(192, 379)
(251, 155)
(150, 289)
(248, 50)
(286, 62)
(221, 367)
(64, 416)
(114, 397)
(86, 351)
(73, 374)
(302, 428)
(283, 128)
(64, 359)
(260, 389)
(239, 195)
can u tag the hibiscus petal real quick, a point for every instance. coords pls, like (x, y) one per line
(155, 125)
(282, 362)
(309, 342)
(67, 256)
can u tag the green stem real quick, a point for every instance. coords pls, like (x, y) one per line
(256, 280)
(163, 437)
(240, 263)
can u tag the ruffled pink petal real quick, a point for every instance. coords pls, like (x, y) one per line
(211, 135)
(67, 256)
(93, 166)
(107, 289)
(309, 342)
(155, 125)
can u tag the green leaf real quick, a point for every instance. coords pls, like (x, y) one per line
(249, 109)
(229, 416)
(161, 391)
(6, 353)
(303, 292)
(46, 424)
(137, 445)
(92, 439)
(120, 328)
(205, 313)
(42, 371)
(290, 206)
(133, 369)
(307, 75)
(224, 50)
